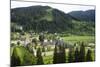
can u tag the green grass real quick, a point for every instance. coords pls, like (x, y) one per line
(79, 38)
(48, 59)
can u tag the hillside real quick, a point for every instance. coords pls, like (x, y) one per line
(45, 18)
(88, 15)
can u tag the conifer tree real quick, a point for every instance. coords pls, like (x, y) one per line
(41, 38)
(55, 57)
(89, 55)
(35, 42)
(39, 57)
(62, 54)
(82, 52)
(70, 55)
(15, 60)
(76, 55)
(59, 54)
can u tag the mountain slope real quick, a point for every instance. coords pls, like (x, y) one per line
(44, 18)
(88, 15)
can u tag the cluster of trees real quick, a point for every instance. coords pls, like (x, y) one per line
(59, 54)
(75, 54)
(80, 54)
(88, 15)
(23, 56)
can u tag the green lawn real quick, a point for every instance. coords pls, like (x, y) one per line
(79, 38)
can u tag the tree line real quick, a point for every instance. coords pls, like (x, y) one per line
(76, 54)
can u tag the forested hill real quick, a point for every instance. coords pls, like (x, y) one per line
(88, 15)
(45, 18)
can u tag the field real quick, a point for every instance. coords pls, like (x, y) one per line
(89, 39)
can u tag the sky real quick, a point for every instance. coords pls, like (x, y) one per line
(65, 8)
